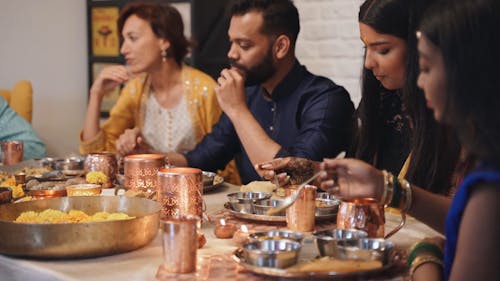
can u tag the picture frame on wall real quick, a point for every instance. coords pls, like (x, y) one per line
(105, 39)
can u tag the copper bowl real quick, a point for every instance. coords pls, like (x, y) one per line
(47, 193)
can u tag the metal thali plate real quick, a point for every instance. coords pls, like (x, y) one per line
(391, 265)
(272, 219)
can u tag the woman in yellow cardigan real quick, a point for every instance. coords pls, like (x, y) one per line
(165, 106)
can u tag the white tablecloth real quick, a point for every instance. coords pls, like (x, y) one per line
(142, 264)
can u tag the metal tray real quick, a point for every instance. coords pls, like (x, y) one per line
(273, 219)
(331, 275)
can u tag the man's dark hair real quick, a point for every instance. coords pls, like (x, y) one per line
(280, 16)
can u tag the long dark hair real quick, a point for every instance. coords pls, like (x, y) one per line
(463, 31)
(375, 13)
(434, 148)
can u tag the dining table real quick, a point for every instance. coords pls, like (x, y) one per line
(214, 259)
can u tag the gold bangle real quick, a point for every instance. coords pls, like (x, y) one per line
(408, 195)
(420, 260)
(388, 188)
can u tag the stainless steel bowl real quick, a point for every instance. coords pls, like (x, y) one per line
(69, 163)
(243, 201)
(272, 253)
(261, 207)
(325, 207)
(208, 178)
(276, 235)
(365, 249)
(326, 241)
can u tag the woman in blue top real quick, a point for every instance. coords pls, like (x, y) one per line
(459, 50)
(459, 62)
(14, 127)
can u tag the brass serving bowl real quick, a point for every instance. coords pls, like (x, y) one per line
(76, 240)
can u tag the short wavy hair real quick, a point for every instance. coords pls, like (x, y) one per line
(166, 22)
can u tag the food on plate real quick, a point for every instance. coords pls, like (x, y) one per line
(258, 186)
(17, 189)
(328, 264)
(96, 177)
(73, 216)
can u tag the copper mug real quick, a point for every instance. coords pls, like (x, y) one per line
(180, 191)
(301, 215)
(141, 171)
(12, 152)
(365, 214)
(104, 162)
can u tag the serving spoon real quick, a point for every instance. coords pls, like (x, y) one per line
(288, 201)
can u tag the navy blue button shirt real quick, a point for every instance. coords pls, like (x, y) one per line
(308, 115)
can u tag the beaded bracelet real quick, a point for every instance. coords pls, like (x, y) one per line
(420, 260)
(425, 246)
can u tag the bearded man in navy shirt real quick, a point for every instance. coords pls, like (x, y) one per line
(273, 107)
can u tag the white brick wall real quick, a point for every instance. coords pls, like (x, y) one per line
(329, 43)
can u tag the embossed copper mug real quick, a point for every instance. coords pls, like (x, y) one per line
(180, 191)
(12, 152)
(365, 214)
(141, 171)
(104, 162)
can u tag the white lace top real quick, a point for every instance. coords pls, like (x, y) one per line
(168, 130)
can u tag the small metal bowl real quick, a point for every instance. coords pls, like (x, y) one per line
(243, 201)
(326, 241)
(365, 249)
(208, 178)
(261, 207)
(5, 195)
(325, 207)
(83, 189)
(272, 253)
(276, 235)
(69, 163)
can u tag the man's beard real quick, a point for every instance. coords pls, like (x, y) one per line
(258, 74)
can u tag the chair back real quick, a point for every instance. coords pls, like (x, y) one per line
(20, 99)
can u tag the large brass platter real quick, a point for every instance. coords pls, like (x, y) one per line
(79, 239)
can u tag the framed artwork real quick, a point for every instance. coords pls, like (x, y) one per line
(105, 38)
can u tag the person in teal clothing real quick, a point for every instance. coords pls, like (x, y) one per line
(14, 127)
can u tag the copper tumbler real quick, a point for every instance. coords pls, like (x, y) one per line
(141, 171)
(301, 215)
(12, 152)
(180, 191)
(365, 214)
(104, 162)
(180, 243)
